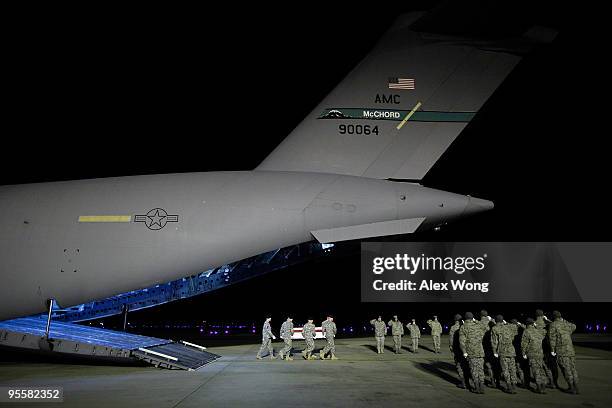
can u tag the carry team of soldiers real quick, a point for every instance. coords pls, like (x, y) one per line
(486, 351)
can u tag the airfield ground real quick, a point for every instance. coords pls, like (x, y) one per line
(360, 378)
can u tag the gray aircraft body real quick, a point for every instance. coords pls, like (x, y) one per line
(391, 118)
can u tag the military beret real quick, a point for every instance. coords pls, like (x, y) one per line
(499, 318)
(484, 313)
(458, 317)
(539, 312)
(556, 314)
(468, 315)
(529, 321)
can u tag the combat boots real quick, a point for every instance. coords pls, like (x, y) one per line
(272, 357)
(304, 355)
(288, 358)
(333, 357)
(311, 357)
(322, 355)
(259, 357)
(462, 384)
(576, 388)
(479, 388)
(573, 388)
(540, 388)
(510, 388)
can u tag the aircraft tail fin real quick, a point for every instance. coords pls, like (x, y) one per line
(396, 113)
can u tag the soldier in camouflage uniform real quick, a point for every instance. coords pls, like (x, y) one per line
(309, 334)
(397, 330)
(522, 366)
(562, 347)
(415, 335)
(550, 364)
(471, 334)
(329, 331)
(489, 359)
(286, 332)
(380, 330)
(455, 349)
(531, 348)
(502, 337)
(266, 341)
(436, 331)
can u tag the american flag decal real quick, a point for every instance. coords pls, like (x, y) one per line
(401, 83)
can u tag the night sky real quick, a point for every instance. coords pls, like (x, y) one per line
(151, 92)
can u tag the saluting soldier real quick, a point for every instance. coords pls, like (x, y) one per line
(380, 330)
(531, 348)
(436, 332)
(397, 330)
(415, 335)
(563, 348)
(471, 334)
(502, 337)
(455, 349)
(550, 364)
(489, 359)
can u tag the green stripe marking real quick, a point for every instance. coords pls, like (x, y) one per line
(395, 115)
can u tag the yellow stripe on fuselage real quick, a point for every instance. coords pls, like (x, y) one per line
(105, 218)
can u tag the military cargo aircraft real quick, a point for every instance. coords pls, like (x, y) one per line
(350, 170)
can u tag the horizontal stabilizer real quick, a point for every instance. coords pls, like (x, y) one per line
(376, 229)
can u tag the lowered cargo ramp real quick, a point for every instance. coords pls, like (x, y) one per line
(70, 339)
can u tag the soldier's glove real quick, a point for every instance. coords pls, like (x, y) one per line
(547, 319)
(504, 322)
(489, 317)
(465, 355)
(496, 355)
(525, 356)
(553, 353)
(273, 337)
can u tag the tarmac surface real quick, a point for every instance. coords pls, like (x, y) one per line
(360, 378)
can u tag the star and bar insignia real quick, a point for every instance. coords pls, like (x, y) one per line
(156, 218)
